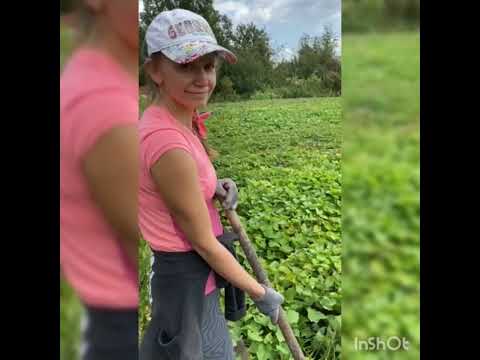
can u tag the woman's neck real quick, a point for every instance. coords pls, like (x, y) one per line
(182, 114)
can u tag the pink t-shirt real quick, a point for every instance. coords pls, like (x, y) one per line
(96, 95)
(160, 132)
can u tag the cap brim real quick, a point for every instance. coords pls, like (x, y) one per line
(190, 51)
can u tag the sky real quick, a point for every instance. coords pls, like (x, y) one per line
(285, 20)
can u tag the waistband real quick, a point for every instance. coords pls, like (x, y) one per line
(178, 263)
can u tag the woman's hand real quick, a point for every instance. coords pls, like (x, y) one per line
(227, 193)
(269, 304)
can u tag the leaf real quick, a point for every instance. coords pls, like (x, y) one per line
(279, 335)
(292, 316)
(327, 303)
(253, 335)
(290, 294)
(314, 315)
(268, 339)
(283, 349)
(262, 352)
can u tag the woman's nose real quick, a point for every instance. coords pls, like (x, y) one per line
(201, 76)
(200, 71)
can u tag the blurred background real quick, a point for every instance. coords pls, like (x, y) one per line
(381, 176)
(71, 310)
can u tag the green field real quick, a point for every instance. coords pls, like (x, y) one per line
(381, 184)
(285, 157)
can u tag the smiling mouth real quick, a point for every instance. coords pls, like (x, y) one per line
(197, 93)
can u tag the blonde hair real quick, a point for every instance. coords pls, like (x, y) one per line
(154, 95)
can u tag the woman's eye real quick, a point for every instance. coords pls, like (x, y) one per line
(210, 67)
(185, 67)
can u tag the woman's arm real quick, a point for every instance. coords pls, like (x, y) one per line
(112, 168)
(175, 176)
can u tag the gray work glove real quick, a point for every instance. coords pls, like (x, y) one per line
(227, 193)
(270, 303)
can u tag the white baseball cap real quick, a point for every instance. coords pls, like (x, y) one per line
(183, 36)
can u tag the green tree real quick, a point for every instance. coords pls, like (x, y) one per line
(317, 58)
(255, 67)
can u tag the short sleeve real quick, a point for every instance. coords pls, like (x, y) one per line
(97, 113)
(159, 142)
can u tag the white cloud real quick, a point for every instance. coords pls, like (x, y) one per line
(231, 6)
(310, 14)
(284, 54)
(259, 11)
(236, 11)
(263, 14)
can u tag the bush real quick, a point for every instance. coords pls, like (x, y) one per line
(267, 94)
(225, 91)
(300, 88)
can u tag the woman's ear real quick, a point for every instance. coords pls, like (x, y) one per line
(152, 70)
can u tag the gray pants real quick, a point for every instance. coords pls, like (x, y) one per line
(217, 344)
(109, 334)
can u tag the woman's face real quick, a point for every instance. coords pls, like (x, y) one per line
(189, 85)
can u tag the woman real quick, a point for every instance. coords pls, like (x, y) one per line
(99, 177)
(177, 216)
